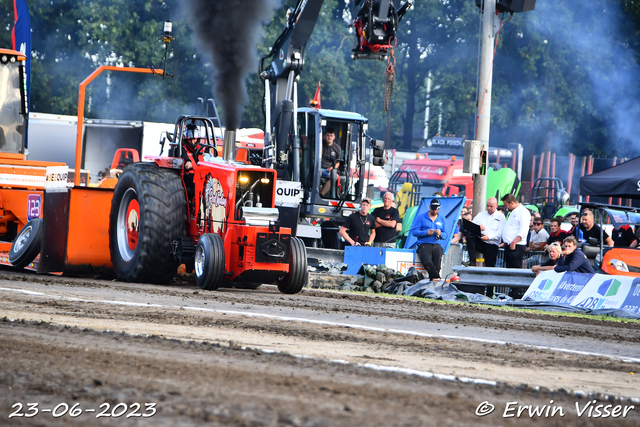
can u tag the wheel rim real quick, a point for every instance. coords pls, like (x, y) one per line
(199, 261)
(24, 235)
(128, 224)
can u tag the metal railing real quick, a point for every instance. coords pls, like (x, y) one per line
(498, 276)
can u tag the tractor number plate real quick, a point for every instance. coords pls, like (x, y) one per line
(34, 206)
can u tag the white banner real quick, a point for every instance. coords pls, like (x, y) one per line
(588, 291)
(56, 176)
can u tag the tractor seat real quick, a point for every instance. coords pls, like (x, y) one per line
(590, 251)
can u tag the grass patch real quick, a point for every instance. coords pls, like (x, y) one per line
(529, 311)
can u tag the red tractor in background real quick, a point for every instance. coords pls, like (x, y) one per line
(212, 213)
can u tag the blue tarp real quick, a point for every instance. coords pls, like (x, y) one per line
(450, 208)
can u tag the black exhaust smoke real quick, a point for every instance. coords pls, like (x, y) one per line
(229, 31)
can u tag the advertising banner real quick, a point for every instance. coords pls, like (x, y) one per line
(588, 291)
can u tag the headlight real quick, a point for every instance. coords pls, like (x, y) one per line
(243, 179)
(619, 265)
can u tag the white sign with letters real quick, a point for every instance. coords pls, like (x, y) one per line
(288, 193)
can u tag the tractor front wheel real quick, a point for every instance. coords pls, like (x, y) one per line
(148, 211)
(209, 262)
(26, 245)
(296, 278)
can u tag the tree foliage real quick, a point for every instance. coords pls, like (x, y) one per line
(565, 76)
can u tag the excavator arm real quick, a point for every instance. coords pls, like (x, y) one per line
(376, 25)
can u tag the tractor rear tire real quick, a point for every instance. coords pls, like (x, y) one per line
(26, 245)
(148, 211)
(209, 263)
(297, 277)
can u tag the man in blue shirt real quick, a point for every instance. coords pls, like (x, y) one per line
(429, 228)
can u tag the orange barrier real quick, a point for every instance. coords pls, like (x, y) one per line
(88, 235)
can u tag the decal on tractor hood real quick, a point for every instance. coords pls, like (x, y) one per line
(213, 205)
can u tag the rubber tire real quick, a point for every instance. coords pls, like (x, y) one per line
(162, 209)
(26, 245)
(209, 264)
(297, 277)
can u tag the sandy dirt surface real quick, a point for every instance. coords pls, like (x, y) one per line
(319, 358)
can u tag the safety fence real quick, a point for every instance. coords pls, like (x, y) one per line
(458, 255)
(531, 258)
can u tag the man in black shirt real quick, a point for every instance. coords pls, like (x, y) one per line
(386, 219)
(591, 230)
(331, 154)
(624, 237)
(355, 229)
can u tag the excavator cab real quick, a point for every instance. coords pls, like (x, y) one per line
(13, 106)
(376, 24)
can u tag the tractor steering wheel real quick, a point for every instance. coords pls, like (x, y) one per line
(202, 147)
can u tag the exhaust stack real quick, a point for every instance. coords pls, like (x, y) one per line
(229, 147)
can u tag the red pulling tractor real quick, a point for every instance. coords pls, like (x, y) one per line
(205, 209)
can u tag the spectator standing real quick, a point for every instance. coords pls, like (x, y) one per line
(429, 228)
(514, 234)
(356, 228)
(459, 236)
(386, 219)
(491, 224)
(624, 237)
(557, 234)
(534, 215)
(539, 236)
(573, 259)
(591, 230)
(575, 227)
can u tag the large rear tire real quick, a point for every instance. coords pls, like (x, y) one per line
(297, 277)
(148, 211)
(209, 262)
(26, 245)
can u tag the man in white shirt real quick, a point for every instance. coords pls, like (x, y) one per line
(514, 234)
(539, 236)
(491, 223)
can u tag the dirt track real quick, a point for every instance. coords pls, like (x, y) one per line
(235, 357)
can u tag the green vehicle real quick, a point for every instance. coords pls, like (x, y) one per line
(409, 190)
(550, 199)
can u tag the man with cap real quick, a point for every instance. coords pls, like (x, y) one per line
(429, 228)
(355, 229)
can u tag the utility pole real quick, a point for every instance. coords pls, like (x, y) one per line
(425, 136)
(483, 109)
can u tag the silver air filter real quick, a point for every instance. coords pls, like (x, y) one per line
(229, 147)
(259, 216)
